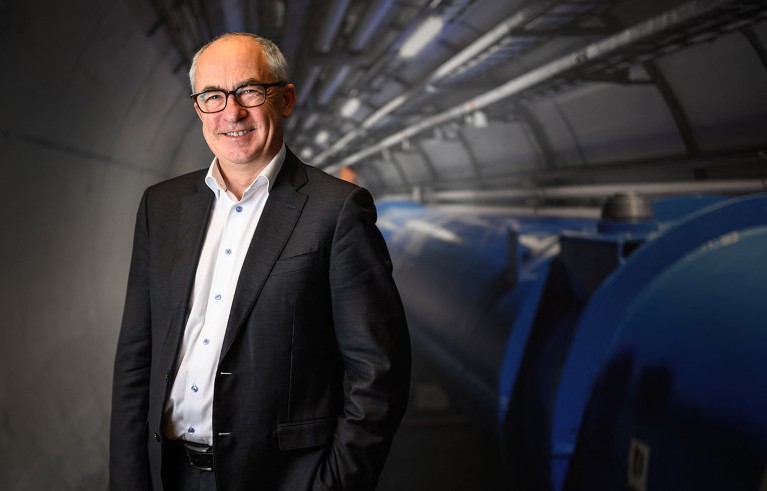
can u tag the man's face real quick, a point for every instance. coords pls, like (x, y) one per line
(239, 136)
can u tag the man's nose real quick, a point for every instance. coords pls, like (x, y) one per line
(233, 109)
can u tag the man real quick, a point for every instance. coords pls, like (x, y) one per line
(263, 344)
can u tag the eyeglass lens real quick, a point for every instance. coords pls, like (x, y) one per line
(247, 96)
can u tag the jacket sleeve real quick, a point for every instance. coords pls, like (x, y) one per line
(374, 343)
(128, 458)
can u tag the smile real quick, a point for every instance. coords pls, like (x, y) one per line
(238, 133)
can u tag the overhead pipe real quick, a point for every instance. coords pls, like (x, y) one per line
(726, 186)
(298, 12)
(332, 84)
(494, 36)
(305, 89)
(638, 32)
(327, 35)
(371, 21)
(234, 15)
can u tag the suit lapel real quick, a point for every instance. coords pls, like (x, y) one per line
(279, 218)
(193, 223)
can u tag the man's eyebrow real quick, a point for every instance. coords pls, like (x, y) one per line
(211, 87)
(250, 81)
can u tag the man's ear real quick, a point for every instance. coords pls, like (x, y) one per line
(288, 100)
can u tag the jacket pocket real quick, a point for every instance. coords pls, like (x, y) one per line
(292, 264)
(306, 434)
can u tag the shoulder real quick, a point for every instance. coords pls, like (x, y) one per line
(176, 188)
(323, 180)
(335, 193)
(182, 183)
(304, 177)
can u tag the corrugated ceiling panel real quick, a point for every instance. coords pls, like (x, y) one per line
(449, 157)
(369, 177)
(414, 166)
(502, 147)
(390, 176)
(614, 122)
(722, 88)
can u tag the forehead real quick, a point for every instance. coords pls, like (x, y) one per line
(229, 61)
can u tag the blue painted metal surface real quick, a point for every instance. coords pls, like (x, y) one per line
(533, 319)
(685, 377)
(470, 285)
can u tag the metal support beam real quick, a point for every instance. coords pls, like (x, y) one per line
(734, 186)
(549, 71)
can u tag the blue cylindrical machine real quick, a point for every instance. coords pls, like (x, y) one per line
(607, 355)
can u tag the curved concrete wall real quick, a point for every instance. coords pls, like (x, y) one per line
(92, 112)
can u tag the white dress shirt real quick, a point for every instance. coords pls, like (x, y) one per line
(189, 411)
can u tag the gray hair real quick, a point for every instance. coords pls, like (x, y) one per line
(275, 60)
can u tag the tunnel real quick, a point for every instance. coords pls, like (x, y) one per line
(544, 171)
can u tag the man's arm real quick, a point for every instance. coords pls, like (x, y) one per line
(374, 343)
(128, 458)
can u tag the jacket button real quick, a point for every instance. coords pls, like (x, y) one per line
(156, 437)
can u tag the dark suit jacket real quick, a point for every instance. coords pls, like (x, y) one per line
(314, 372)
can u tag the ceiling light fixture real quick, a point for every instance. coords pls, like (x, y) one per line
(350, 107)
(322, 137)
(307, 153)
(422, 36)
(384, 111)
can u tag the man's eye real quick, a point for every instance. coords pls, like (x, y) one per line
(211, 97)
(247, 90)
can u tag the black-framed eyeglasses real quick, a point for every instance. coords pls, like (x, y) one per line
(251, 95)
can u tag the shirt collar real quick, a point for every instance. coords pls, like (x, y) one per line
(215, 181)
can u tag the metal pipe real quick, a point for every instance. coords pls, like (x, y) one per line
(492, 37)
(328, 32)
(305, 89)
(643, 30)
(727, 186)
(332, 85)
(234, 15)
(371, 21)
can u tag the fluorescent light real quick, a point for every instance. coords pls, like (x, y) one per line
(310, 121)
(322, 137)
(307, 153)
(350, 107)
(427, 31)
(384, 111)
(479, 119)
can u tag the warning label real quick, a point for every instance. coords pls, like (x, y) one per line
(638, 464)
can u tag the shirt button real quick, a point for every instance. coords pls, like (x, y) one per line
(195, 388)
(228, 251)
(238, 208)
(218, 297)
(206, 341)
(190, 430)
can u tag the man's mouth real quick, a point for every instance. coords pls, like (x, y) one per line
(238, 133)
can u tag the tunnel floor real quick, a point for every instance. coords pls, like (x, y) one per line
(438, 446)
